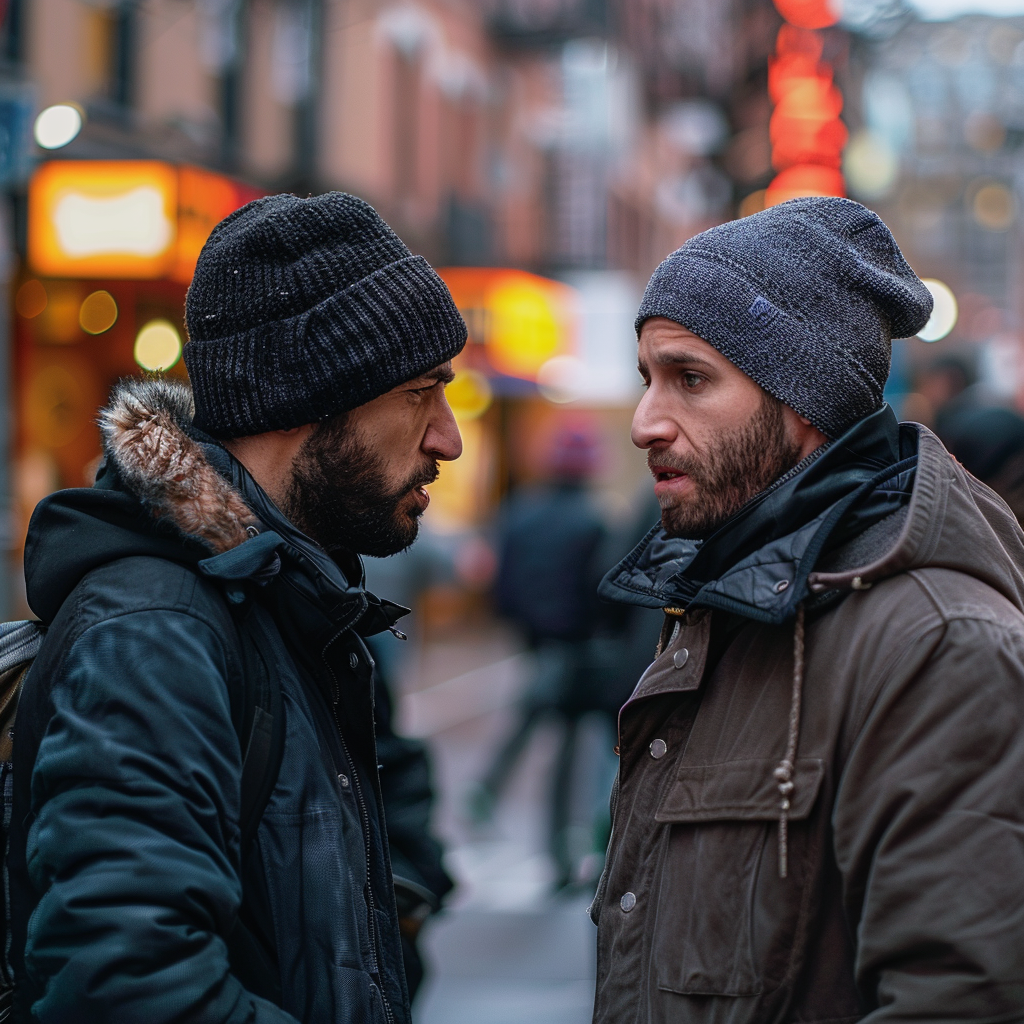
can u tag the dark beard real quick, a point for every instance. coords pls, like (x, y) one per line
(742, 463)
(340, 497)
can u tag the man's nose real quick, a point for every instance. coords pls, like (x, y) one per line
(442, 439)
(651, 423)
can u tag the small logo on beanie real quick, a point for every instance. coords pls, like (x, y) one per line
(763, 311)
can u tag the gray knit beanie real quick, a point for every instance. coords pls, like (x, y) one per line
(804, 297)
(303, 308)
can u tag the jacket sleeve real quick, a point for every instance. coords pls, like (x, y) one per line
(929, 831)
(135, 843)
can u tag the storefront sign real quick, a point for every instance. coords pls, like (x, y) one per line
(133, 219)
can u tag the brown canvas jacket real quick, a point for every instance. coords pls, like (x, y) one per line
(904, 897)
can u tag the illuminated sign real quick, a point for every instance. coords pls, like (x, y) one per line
(807, 134)
(134, 219)
(521, 320)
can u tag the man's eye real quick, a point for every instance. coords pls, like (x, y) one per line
(693, 380)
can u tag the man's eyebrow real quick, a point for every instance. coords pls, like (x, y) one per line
(444, 374)
(682, 359)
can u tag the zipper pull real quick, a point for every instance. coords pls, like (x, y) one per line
(395, 631)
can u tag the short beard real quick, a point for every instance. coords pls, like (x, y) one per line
(340, 496)
(742, 463)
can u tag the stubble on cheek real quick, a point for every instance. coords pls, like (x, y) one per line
(737, 465)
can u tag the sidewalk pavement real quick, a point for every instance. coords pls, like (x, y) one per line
(505, 950)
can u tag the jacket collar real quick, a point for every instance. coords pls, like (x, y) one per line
(757, 564)
(188, 480)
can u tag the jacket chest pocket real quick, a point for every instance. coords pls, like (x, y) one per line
(726, 923)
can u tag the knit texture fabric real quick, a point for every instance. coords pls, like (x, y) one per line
(804, 297)
(303, 308)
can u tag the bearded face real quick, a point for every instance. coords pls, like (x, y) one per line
(343, 496)
(735, 465)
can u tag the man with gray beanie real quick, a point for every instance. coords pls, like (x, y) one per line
(820, 802)
(198, 829)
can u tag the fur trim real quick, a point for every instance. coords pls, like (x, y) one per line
(159, 462)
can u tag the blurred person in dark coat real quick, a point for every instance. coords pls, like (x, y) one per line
(549, 539)
(989, 442)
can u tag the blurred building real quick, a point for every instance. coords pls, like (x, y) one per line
(938, 111)
(572, 142)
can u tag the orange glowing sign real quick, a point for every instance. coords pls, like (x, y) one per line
(806, 132)
(135, 219)
(805, 126)
(521, 320)
(804, 180)
(100, 218)
(809, 13)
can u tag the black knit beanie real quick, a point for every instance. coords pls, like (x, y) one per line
(804, 297)
(303, 308)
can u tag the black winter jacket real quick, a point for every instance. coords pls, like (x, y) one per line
(128, 881)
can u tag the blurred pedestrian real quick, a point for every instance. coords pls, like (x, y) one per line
(990, 444)
(217, 559)
(820, 795)
(546, 586)
(948, 384)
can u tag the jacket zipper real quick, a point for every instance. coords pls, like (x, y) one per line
(365, 820)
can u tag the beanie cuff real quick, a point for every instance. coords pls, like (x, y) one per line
(358, 344)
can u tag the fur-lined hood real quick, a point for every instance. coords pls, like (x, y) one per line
(145, 439)
(165, 491)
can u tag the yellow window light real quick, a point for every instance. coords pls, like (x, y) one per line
(98, 313)
(158, 346)
(522, 320)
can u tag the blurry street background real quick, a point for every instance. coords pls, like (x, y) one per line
(545, 155)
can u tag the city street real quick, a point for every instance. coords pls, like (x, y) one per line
(506, 950)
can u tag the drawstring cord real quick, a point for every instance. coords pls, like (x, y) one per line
(784, 772)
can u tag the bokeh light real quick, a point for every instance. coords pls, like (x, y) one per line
(31, 299)
(870, 166)
(98, 313)
(58, 125)
(158, 345)
(994, 207)
(469, 395)
(558, 380)
(525, 328)
(944, 313)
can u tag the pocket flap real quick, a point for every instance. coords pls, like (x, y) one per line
(739, 791)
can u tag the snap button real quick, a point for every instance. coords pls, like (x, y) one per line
(353, 660)
(658, 749)
(680, 658)
(343, 779)
(628, 902)
(781, 586)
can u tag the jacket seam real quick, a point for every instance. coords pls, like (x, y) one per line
(69, 648)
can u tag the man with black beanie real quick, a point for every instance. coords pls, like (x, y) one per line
(820, 800)
(198, 830)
